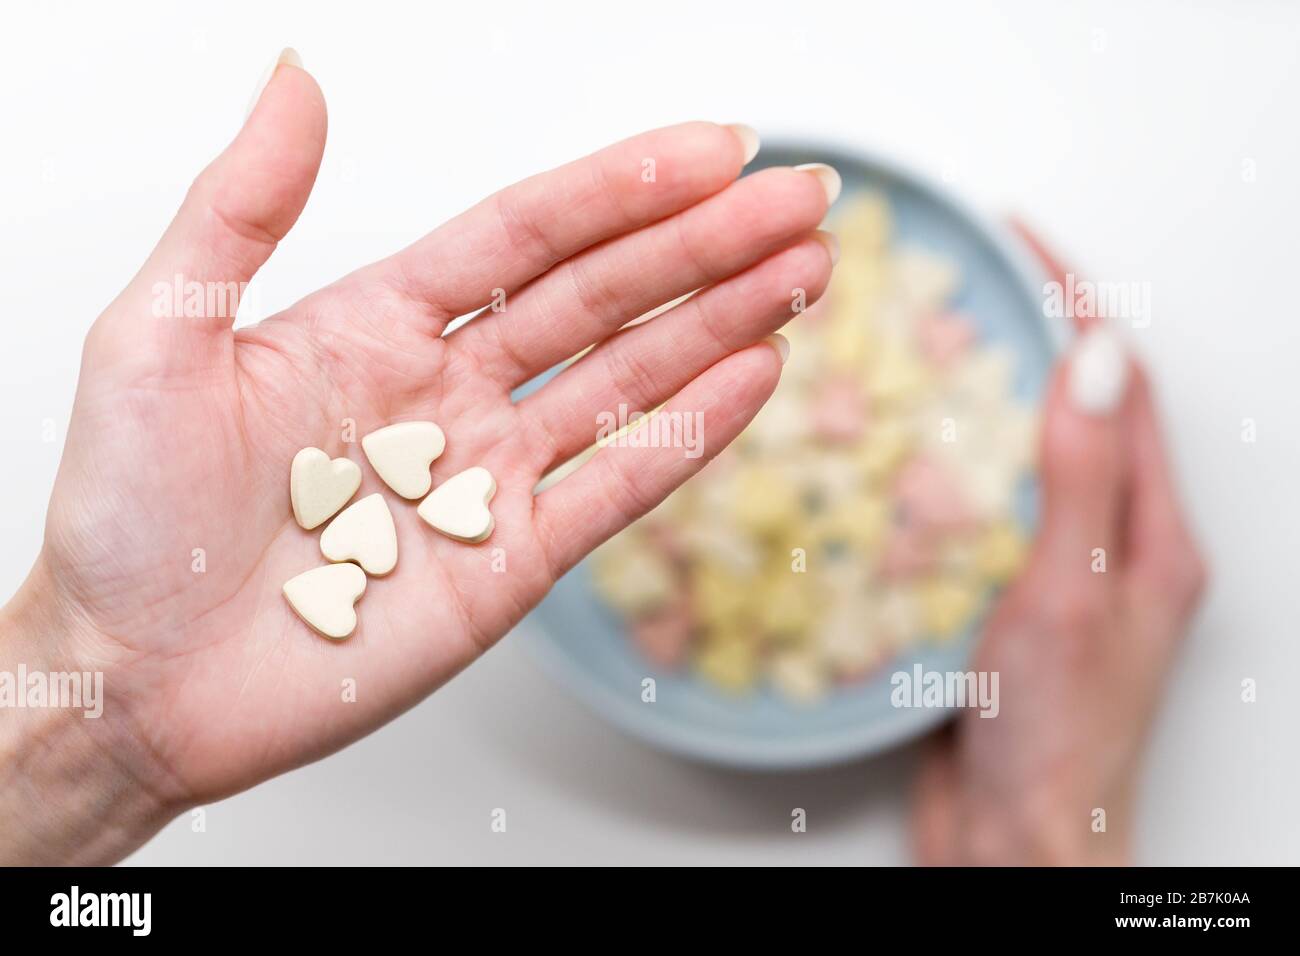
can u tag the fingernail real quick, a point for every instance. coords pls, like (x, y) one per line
(780, 343)
(831, 243)
(827, 176)
(1098, 371)
(287, 56)
(748, 139)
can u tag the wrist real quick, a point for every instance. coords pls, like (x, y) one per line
(1048, 831)
(76, 784)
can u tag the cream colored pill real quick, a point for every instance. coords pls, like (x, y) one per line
(459, 506)
(401, 454)
(363, 533)
(319, 487)
(324, 598)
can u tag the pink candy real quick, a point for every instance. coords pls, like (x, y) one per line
(909, 551)
(839, 411)
(664, 635)
(930, 497)
(943, 338)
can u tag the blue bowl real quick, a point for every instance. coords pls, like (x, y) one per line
(581, 642)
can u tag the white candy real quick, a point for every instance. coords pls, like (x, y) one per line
(318, 487)
(323, 597)
(923, 280)
(721, 542)
(401, 454)
(363, 533)
(458, 507)
(635, 579)
(799, 675)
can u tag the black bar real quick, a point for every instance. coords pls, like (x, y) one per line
(332, 905)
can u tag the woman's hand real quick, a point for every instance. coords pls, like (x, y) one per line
(1081, 642)
(183, 432)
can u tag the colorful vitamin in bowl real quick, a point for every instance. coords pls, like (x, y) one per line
(868, 508)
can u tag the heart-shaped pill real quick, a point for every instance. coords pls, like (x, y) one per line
(323, 597)
(318, 487)
(458, 507)
(363, 533)
(402, 454)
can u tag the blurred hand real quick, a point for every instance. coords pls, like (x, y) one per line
(1082, 653)
(183, 432)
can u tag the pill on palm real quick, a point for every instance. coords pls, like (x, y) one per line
(401, 455)
(459, 506)
(363, 533)
(324, 598)
(319, 487)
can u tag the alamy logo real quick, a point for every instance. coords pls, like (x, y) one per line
(82, 690)
(1086, 299)
(133, 910)
(657, 429)
(922, 688)
(183, 298)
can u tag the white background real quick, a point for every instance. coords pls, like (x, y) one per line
(1124, 130)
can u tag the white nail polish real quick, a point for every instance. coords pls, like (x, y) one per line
(780, 343)
(827, 176)
(287, 56)
(748, 139)
(831, 242)
(1098, 371)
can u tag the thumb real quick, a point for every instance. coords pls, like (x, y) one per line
(184, 299)
(1083, 455)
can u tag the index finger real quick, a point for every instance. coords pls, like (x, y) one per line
(520, 232)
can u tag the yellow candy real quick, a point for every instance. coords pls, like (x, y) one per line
(850, 333)
(731, 664)
(947, 605)
(719, 595)
(785, 604)
(863, 224)
(999, 552)
(884, 447)
(763, 502)
(849, 345)
(852, 529)
(897, 375)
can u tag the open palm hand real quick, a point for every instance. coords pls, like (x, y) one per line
(170, 534)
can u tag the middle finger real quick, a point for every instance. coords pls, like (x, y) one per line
(593, 294)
